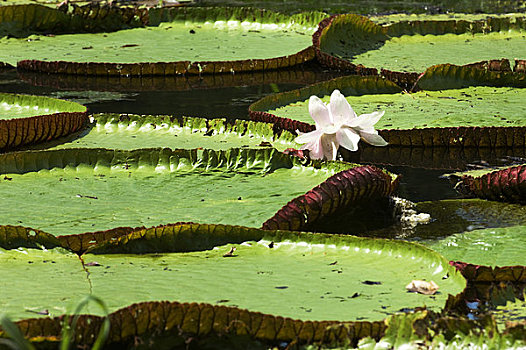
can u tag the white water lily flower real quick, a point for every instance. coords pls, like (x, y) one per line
(338, 125)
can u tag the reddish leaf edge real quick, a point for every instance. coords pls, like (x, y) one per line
(504, 185)
(184, 324)
(488, 274)
(341, 190)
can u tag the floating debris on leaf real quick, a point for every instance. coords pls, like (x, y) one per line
(422, 287)
(230, 253)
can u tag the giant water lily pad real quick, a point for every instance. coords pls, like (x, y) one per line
(481, 116)
(350, 40)
(344, 278)
(132, 131)
(78, 190)
(177, 41)
(26, 119)
(480, 106)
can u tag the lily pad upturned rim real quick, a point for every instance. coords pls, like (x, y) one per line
(18, 132)
(463, 136)
(34, 18)
(505, 184)
(214, 125)
(341, 190)
(295, 75)
(180, 67)
(331, 61)
(371, 28)
(484, 274)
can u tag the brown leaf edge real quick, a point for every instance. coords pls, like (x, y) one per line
(296, 74)
(167, 68)
(26, 131)
(199, 68)
(176, 237)
(481, 273)
(148, 321)
(505, 185)
(5, 66)
(488, 73)
(337, 192)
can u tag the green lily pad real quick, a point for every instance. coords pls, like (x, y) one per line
(130, 131)
(344, 278)
(414, 46)
(481, 116)
(26, 119)
(28, 270)
(14, 106)
(78, 190)
(374, 7)
(359, 286)
(481, 106)
(192, 40)
(272, 108)
(489, 247)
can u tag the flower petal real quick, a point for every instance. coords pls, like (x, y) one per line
(309, 136)
(341, 111)
(330, 146)
(348, 138)
(315, 149)
(365, 121)
(373, 138)
(319, 112)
